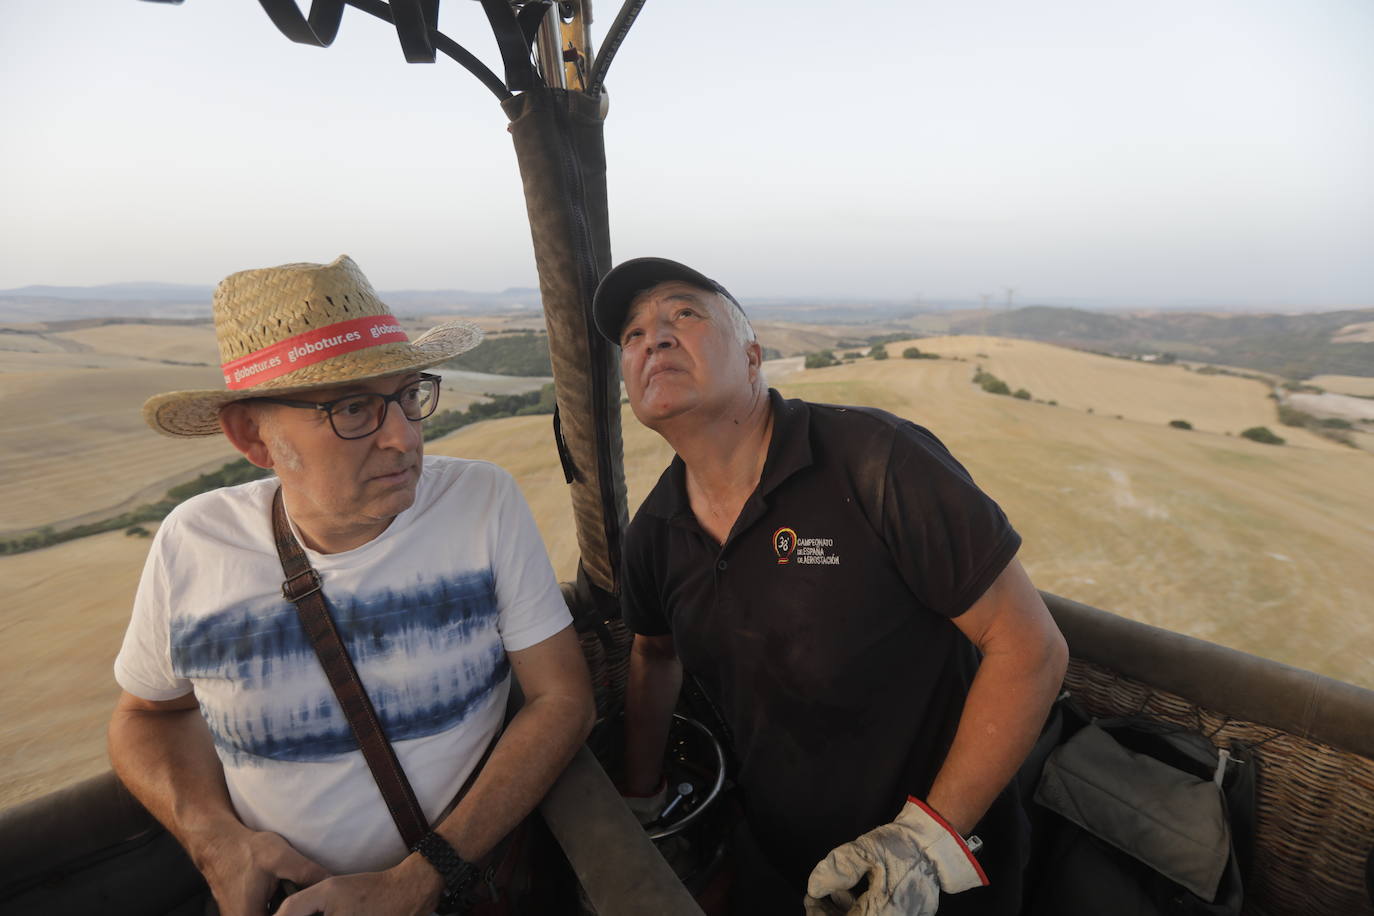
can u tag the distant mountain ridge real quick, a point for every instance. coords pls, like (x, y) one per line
(1295, 346)
(115, 292)
(183, 301)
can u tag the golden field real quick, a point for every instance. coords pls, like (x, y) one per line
(75, 447)
(1259, 547)
(1345, 384)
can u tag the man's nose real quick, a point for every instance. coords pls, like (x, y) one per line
(661, 336)
(397, 431)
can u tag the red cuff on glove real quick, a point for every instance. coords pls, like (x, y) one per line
(935, 816)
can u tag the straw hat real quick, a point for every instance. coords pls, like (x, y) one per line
(297, 327)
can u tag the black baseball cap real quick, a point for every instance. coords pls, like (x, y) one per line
(619, 287)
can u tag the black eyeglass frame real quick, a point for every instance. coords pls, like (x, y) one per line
(387, 400)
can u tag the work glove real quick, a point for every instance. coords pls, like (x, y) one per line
(908, 863)
(646, 808)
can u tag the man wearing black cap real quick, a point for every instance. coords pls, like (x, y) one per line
(851, 603)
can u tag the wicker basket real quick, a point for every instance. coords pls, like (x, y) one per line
(1311, 798)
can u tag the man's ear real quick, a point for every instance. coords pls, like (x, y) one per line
(240, 424)
(754, 353)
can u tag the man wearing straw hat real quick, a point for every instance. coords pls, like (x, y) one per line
(852, 605)
(435, 576)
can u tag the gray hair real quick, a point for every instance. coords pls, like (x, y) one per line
(744, 331)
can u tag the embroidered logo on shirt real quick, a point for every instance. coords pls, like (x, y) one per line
(804, 551)
(784, 542)
(816, 552)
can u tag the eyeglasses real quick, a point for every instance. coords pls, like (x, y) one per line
(358, 416)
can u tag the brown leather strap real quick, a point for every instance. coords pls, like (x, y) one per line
(304, 589)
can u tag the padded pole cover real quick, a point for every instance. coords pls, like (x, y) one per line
(558, 142)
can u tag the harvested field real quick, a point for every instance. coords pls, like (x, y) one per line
(1362, 332)
(61, 628)
(1358, 385)
(1258, 547)
(461, 389)
(1109, 387)
(193, 343)
(1253, 546)
(1261, 548)
(82, 452)
(1342, 406)
(75, 442)
(792, 338)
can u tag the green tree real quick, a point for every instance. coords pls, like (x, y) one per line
(990, 383)
(1262, 434)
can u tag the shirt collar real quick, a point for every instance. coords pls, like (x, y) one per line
(789, 451)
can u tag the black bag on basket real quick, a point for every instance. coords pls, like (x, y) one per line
(1135, 817)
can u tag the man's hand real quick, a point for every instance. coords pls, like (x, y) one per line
(907, 862)
(243, 870)
(410, 889)
(163, 752)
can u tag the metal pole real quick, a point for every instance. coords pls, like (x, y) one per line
(577, 45)
(549, 49)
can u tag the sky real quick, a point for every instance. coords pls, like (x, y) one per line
(1216, 153)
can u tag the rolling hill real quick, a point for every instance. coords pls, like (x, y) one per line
(1255, 546)
(1292, 346)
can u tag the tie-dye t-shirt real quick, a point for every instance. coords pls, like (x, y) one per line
(428, 610)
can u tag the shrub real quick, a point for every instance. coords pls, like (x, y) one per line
(911, 353)
(821, 360)
(1337, 423)
(235, 472)
(1180, 424)
(1022, 393)
(878, 352)
(1291, 416)
(137, 531)
(990, 383)
(1302, 387)
(853, 354)
(545, 405)
(1262, 434)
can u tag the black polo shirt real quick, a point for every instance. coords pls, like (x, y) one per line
(822, 627)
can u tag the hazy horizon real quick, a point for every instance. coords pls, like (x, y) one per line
(181, 295)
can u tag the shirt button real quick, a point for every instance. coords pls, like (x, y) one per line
(721, 565)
